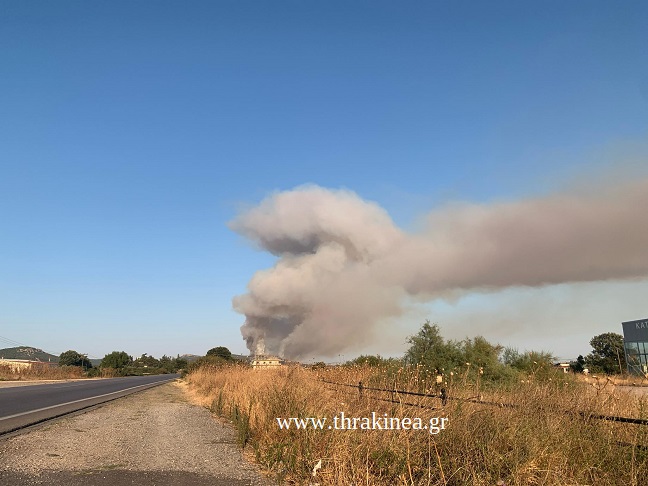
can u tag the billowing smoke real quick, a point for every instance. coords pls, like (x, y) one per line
(343, 266)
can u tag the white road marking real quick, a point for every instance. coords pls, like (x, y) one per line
(81, 400)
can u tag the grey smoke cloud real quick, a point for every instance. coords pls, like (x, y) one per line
(343, 266)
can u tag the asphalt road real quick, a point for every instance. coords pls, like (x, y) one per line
(27, 405)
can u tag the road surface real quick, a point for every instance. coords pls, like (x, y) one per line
(27, 405)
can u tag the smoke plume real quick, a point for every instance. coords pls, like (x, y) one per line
(343, 266)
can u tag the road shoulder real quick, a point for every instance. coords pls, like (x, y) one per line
(153, 437)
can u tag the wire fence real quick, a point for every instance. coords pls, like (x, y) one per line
(442, 395)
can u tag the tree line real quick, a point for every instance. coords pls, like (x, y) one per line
(120, 363)
(493, 362)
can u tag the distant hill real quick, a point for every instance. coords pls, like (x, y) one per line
(26, 352)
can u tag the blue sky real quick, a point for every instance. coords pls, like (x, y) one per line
(133, 132)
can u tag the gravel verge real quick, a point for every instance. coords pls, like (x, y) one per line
(155, 437)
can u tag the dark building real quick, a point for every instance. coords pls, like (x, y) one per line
(635, 343)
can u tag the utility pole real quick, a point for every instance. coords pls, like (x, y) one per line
(619, 359)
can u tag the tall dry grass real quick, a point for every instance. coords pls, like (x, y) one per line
(40, 372)
(538, 441)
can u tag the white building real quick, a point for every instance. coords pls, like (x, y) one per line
(263, 361)
(18, 365)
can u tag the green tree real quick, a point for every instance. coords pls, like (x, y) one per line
(479, 352)
(484, 357)
(179, 363)
(72, 358)
(146, 361)
(166, 363)
(220, 352)
(171, 365)
(116, 360)
(607, 354)
(579, 365)
(428, 348)
(527, 362)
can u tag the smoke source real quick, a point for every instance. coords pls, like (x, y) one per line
(343, 266)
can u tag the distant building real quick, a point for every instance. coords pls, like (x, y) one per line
(635, 344)
(263, 361)
(18, 365)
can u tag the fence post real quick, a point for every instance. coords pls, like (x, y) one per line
(360, 389)
(444, 397)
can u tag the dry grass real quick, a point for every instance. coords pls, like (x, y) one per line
(40, 372)
(536, 442)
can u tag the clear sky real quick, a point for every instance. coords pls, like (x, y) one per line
(131, 133)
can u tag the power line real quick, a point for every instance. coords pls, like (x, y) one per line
(12, 343)
(5, 341)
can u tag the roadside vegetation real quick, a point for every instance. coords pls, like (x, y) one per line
(39, 372)
(72, 364)
(513, 418)
(119, 363)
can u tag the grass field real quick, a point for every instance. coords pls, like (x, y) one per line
(544, 435)
(40, 372)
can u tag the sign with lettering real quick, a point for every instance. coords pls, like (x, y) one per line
(635, 330)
